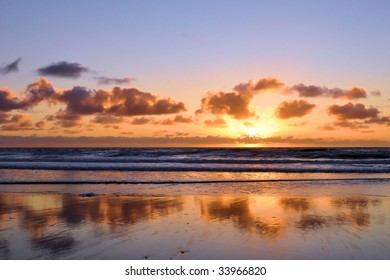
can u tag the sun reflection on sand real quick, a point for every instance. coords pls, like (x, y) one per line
(70, 226)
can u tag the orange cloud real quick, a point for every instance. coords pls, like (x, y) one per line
(352, 111)
(177, 119)
(15, 122)
(132, 102)
(295, 108)
(8, 102)
(233, 104)
(261, 85)
(65, 119)
(107, 119)
(141, 121)
(215, 123)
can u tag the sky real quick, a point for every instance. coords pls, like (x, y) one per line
(195, 73)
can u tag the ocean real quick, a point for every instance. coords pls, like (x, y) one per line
(195, 203)
(190, 165)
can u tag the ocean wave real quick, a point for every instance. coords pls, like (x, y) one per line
(164, 182)
(282, 168)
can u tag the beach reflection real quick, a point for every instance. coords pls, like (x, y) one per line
(238, 211)
(355, 210)
(69, 226)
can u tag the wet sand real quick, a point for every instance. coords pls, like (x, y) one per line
(333, 220)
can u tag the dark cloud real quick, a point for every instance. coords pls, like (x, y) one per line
(263, 84)
(308, 91)
(355, 125)
(65, 119)
(107, 119)
(376, 93)
(233, 104)
(63, 69)
(181, 119)
(175, 120)
(379, 120)
(12, 67)
(295, 108)
(115, 81)
(83, 101)
(132, 102)
(39, 91)
(15, 122)
(8, 102)
(41, 125)
(112, 126)
(352, 111)
(316, 91)
(355, 93)
(181, 134)
(141, 121)
(71, 131)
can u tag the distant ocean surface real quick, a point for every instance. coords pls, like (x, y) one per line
(189, 165)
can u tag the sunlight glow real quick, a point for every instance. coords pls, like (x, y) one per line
(265, 127)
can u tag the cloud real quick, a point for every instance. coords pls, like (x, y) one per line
(308, 91)
(107, 119)
(63, 69)
(263, 84)
(295, 108)
(14, 122)
(132, 102)
(350, 124)
(39, 91)
(177, 119)
(35, 93)
(160, 133)
(12, 67)
(181, 119)
(316, 91)
(127, 133)
(71, 131)
(298, 124)
(83, 101)
(327, 127)
(141, 121)
(379, 120)
(65, 119)
(176, 141)
(355, 93)
(8, 102)
(41, 125)
(233, 104)
(376, 93)
(116, 81)
(352, 111)
(353, 125)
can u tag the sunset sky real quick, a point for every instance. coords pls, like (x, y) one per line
(194, 73)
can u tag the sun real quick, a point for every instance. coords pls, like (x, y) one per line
(262, 127)
(265, 127)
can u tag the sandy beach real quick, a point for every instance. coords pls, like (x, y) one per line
(295, 220)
